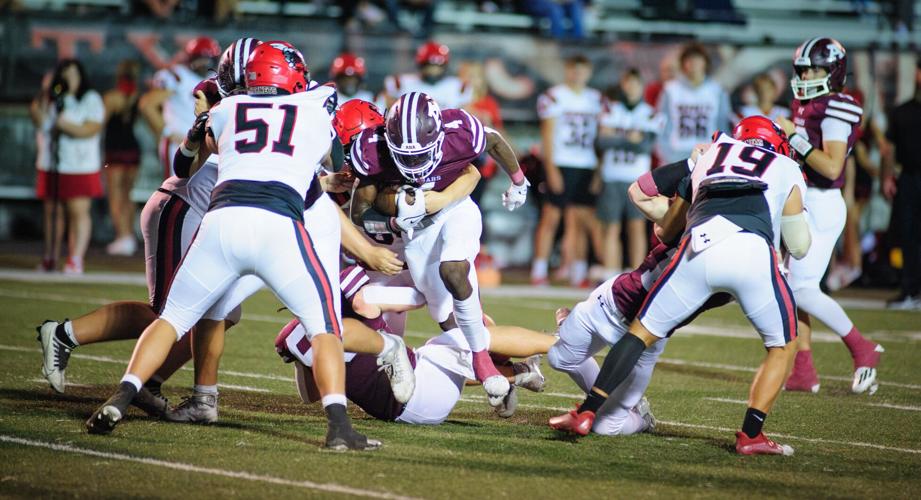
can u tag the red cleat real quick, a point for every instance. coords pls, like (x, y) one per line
(803, 378)
(760, 445)
(575, 422)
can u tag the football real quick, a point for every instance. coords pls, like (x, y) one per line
(386, 201)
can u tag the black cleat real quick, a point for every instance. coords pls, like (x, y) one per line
(104, 420)
(344, 439)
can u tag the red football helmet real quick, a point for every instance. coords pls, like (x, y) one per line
(432, 53)
(202, 47)
(355, 116)
(347, 64)
(760, 131)
(278, 65)
(825, 53)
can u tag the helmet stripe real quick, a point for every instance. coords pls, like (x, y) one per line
(404, 118)
(414, 102)
(808, 47)
(236, 62)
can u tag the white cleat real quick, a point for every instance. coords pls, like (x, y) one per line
(55, 355)
(509, 404)
(528, 375)
(395, 363)
(497, 388)
(864, 378)
(645, 411)
(195, 409)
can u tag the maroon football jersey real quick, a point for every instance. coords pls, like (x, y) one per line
(808, 117)
(465, 140)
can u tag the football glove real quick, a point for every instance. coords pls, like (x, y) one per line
(515, 196)
(196, 134)
(408, 215)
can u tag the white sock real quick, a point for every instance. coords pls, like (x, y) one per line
(133, 380)
(389, 342)
(539, 269)
(69, 330)
(333, 399)
(205, 389)
(824, 309)
(578, 271)
(468, 314)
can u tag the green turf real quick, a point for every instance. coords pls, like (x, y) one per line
(475, 454)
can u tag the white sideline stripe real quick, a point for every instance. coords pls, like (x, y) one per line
(186, 467)
(895, 407)
(727, 400)
(505, 291)
(45, 382)
(478, 399)
(244, 388)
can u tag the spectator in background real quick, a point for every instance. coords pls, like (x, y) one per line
(122, 155)
(668, 68)
(568, 126)
(560, 12)
(767, 93)
(348, 72)
(432, 78)
(905, 189)
(161, 9)
(485, 108)
(627, 132)
(692, 105)
(68, 116)
(169, 108)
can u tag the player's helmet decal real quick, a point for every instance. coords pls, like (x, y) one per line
(274, 67)
(825, 53)
(355, 116)
(231, 70)
(414, 133)
(761, 132)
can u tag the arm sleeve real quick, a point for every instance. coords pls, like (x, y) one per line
(684, 190)
(835, 129)
(477, 133)
(668, 177)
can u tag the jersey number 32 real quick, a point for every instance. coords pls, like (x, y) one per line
(258, 143)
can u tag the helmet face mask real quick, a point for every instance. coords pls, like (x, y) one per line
(231, 70)
(416, 164)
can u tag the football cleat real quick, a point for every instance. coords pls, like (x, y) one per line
(645, 411)
(528, 375)
(104, 420)
(864, 378)
(760, 445)
(574, 421)
(865, 362)
(340, 438)
(509, 404)
(497, 388)
(154, 405)
(195, 409)
(55, 355)
(395, 363)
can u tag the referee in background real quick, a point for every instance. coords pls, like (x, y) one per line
(904, 132)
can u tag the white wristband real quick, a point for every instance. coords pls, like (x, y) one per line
(188, 153)
(801, 145)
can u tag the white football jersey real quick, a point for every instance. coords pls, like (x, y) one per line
(449, 92)
(274, 138)
(196, 190)
(692, 115)
(728, 157)
(622, 165)
(576, 115)
(179, 108)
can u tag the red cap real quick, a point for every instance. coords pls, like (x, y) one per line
(347, 64)
(432, 53)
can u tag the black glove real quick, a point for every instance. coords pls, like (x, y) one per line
(196, 134)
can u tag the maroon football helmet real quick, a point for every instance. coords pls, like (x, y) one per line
(231, 70)
(414, 132)
(826, 53)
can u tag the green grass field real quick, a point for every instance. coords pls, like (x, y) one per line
(267, 442)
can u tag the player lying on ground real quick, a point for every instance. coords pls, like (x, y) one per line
(735, 209)
(824, 129)
(254, 226)
(428, 149)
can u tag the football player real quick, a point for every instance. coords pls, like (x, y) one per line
(735, 210)
(426, 150)
(169, 107)
(823, 131)
(348, 73)
(568, 124)
(254, 225)
(432, 60)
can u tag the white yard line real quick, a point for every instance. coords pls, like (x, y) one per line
(727, 400)
(895, 407)
(186, 467)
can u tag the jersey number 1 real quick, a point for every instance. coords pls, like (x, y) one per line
(244, 124)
